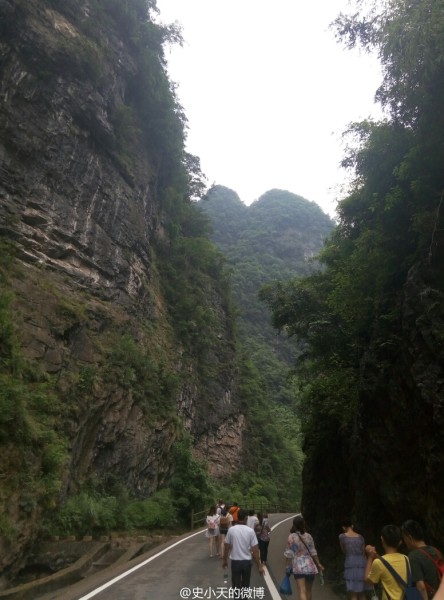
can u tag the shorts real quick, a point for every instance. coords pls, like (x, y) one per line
(309, 578)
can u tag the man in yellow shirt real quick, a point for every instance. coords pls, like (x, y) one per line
(377, 572)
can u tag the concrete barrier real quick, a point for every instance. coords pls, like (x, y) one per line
(63, 578)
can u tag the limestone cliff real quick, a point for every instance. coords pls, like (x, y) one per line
(87, 184)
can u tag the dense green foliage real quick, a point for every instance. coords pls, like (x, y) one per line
(272, 460)
(102, 507)
(272, 239)
(191, 265)
(386, 223)
(29, 419)
(190, 484)
(92, 512)
(193, 272)
(363, 336)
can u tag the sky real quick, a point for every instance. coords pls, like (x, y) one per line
(268, 91)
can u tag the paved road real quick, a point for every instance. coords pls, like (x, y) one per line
(183, 569)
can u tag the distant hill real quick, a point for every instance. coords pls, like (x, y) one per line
(275, 238)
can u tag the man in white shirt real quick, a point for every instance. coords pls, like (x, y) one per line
(240, 544)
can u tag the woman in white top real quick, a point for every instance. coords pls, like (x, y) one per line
(213, 531)
(252, 520)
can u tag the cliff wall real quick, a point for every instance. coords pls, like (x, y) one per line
(83, 195)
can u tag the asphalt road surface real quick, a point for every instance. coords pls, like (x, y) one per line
(183, 569)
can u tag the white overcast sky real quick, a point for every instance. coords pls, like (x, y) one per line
(268, 91)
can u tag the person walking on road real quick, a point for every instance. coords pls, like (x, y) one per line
(422, 559)
(353, 546)
(224, 525)
(252, 519)
(234, 512)
(213, 531)
(220, 506)
(240, 545)
(302, 557)
(263, 531)
(376, 570)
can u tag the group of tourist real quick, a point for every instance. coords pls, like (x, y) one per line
(393, 571)
(222, 517)
(364, 568)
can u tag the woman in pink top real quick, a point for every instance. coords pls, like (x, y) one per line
(302, 558)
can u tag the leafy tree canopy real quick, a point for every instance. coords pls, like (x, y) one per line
(351, 316)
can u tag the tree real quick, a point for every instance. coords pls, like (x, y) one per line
(371, 346)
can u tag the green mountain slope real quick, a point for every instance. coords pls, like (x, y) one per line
(273, 239)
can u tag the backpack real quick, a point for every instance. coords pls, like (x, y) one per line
(438, 561)
(411, 592)
(211, 524)
(224, 522)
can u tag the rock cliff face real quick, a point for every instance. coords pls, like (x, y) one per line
(390, 468)
(66, 199)
(89, 302)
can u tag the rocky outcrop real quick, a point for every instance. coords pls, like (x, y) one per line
(66, 198)
(223, 446)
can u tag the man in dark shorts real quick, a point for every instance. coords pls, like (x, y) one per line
(241, 544)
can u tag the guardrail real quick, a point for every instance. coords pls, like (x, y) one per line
(198, 517)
